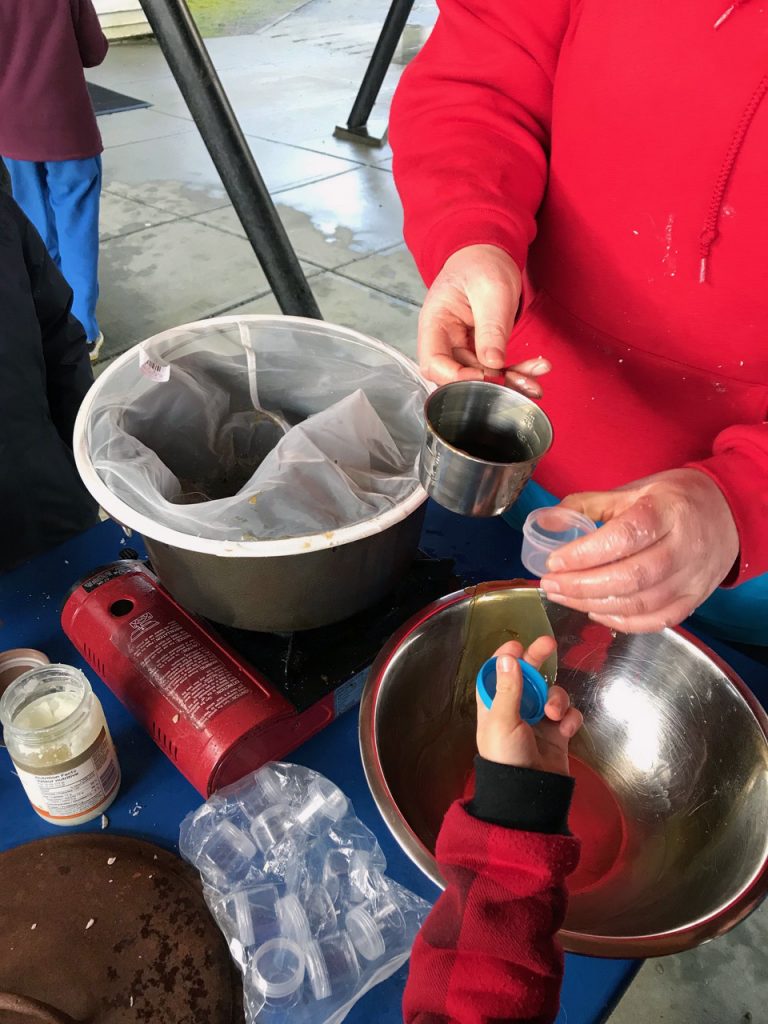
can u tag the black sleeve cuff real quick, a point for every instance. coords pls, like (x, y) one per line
(521, 798)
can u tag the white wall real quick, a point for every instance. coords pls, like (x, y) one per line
(121, 19)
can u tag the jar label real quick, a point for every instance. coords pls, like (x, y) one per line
(61, 792)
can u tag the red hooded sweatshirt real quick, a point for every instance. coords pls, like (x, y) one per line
(619, 152)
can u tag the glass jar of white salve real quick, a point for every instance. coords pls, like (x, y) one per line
(56, 733)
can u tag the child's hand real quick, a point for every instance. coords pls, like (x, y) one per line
(503, 737)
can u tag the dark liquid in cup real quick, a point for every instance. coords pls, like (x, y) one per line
(491, 447)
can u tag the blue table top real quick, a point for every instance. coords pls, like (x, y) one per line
(154, 797)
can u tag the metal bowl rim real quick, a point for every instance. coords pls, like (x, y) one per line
(675, 940)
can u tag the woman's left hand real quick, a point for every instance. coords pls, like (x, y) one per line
(668, 542)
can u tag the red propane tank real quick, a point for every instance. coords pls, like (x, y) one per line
(209, 713)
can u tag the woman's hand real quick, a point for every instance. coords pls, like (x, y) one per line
(668, 542)
(503, 737)
(467, 318)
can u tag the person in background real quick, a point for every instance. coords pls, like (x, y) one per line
(488, 950)
(49, 140)
(44, 376)
(584, 193)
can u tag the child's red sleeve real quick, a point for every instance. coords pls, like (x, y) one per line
(488, 950)
(91, 41)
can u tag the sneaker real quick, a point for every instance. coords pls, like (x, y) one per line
(94, 347)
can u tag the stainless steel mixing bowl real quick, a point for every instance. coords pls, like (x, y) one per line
(671, 800)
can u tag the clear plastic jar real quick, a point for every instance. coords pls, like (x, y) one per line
(56, 733)
(547, 529)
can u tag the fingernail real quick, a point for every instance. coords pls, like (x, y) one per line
(555, 563)
(556, 598)
(550, 586)
(522, 384)
(494, 357)
(506, 663)
(539, 367)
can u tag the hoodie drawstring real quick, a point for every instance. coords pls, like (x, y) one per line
(726, 14)
(710, 231)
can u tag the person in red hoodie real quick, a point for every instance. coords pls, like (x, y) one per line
(49, 140)
(488, 950)
(584, 191)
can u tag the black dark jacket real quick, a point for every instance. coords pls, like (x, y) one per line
(44, 375)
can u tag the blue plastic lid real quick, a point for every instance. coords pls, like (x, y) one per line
(535, 690)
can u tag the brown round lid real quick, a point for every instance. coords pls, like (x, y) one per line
(16, 662)
(109, 930)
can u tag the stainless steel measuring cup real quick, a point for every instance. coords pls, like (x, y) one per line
(481, 446)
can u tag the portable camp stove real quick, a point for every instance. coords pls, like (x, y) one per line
(221, 702)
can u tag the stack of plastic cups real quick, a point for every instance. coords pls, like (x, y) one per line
(297, 886)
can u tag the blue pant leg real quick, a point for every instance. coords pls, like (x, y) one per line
(74, 187)
(30, 190)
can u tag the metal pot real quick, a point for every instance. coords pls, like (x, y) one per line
(282, 594)
(280, 585)
(671, 766)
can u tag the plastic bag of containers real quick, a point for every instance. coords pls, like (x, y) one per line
(257, 428)
(296, 883)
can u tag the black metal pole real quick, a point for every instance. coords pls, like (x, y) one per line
(191, 65)
(381, 58)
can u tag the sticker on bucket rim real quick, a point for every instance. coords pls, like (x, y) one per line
(153, 368)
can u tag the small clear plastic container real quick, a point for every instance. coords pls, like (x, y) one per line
(325, 804)
(352, 876)
(317, 980)
(293, 920)
(277, 972)
(254, 912)
(332, 966)
(227, 856)
(376, 929)
(258, 793)
(272, 825)
(547, 529)
(340, 960)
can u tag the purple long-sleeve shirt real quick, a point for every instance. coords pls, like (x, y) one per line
(45, 110)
